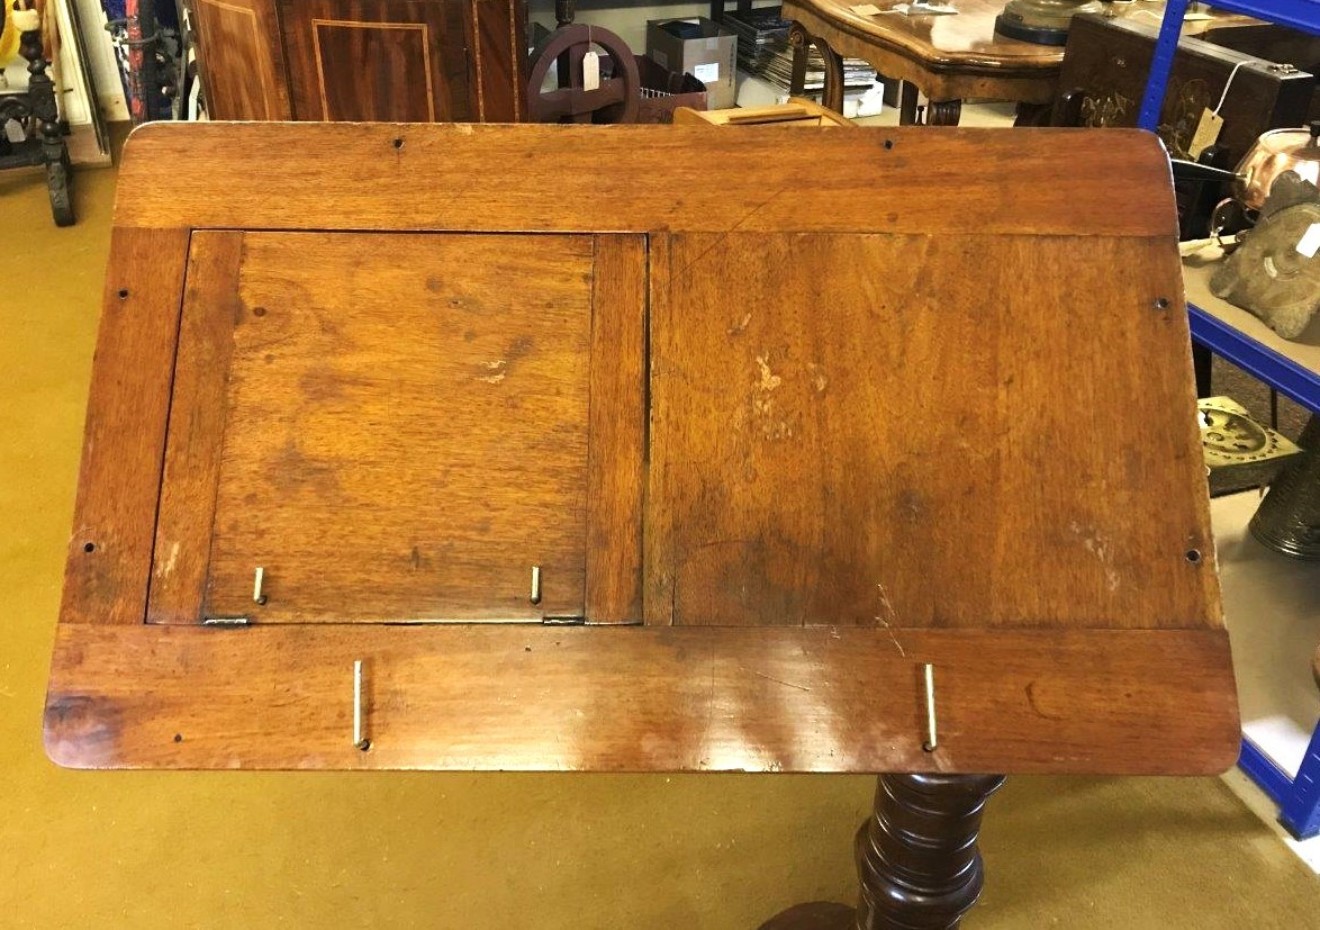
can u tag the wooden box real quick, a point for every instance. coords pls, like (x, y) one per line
(1104, 74)
(554, 469)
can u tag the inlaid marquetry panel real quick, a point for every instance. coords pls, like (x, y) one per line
(394, 80)
(391, 60)
(241, 60)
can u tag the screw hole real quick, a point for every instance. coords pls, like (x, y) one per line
(365, 745)
(1161, 303)
(1193, 555)
(123, 293)
(258, 311)
(89, 547)
(889, 144)
(927, 747)
(398, 143)
(178, 737)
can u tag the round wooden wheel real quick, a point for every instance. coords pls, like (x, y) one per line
(616, 100)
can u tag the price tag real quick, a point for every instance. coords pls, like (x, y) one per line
(1309, 244)
(1207, 133)
(591, 71)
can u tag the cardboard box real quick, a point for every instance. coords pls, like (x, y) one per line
(701, 48)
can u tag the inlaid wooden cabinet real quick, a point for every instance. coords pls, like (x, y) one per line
(362, 60)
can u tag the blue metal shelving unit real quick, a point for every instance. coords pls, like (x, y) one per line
(1298, 797)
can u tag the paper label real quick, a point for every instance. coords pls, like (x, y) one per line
(591, 71)
(1309, 244)
(707, 73)
(866, 9)
(1207, 133)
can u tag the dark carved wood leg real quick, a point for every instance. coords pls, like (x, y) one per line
(907, 107)
(917, 856)
(797, 82)
(832, 95)
(943, 113)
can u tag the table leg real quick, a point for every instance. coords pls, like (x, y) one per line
(907, 105)
(832, 96)
(917, 858)
(919, 865)
(943, 112)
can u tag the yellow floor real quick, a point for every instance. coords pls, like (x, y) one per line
(147, 850)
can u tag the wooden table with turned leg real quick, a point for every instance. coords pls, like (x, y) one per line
(530, 448)
(947, 58)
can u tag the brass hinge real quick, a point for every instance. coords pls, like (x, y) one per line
(564, 621)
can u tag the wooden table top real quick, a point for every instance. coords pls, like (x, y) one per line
(964, 44)
(770, 438)
(966, 41)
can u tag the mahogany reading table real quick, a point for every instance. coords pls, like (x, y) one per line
(649, 449)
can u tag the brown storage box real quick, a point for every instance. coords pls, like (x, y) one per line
(699, 47)
(663, 91)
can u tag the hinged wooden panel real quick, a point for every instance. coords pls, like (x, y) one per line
(402, 440)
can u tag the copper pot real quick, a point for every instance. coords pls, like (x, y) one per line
(1274, 152)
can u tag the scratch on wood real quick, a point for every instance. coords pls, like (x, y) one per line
(496, 374)
(778, 681)
(167, 569)
(887, 610)
(1096, 544)
(724, 235)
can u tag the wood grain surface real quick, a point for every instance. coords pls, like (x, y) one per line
(186, 517)
(839, 396)
(907, 441)
(444, 177)
(109, 556)
(617, 431)
(642, 699)
(407, 436)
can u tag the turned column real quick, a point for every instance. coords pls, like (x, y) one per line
(916, 856)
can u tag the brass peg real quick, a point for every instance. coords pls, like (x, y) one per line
(932, 737)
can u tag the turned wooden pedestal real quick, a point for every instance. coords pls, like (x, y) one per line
(917, 862)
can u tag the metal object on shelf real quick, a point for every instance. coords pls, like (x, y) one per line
(1044, 22)
(1239, 452)
(1288, 520)
(1273, 154)
(1275, 272)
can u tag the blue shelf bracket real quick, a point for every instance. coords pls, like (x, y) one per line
(1166, 46)
(1299, 811)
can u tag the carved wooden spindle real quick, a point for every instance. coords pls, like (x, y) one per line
(41, 94)
(916, 856)
(800, 40)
